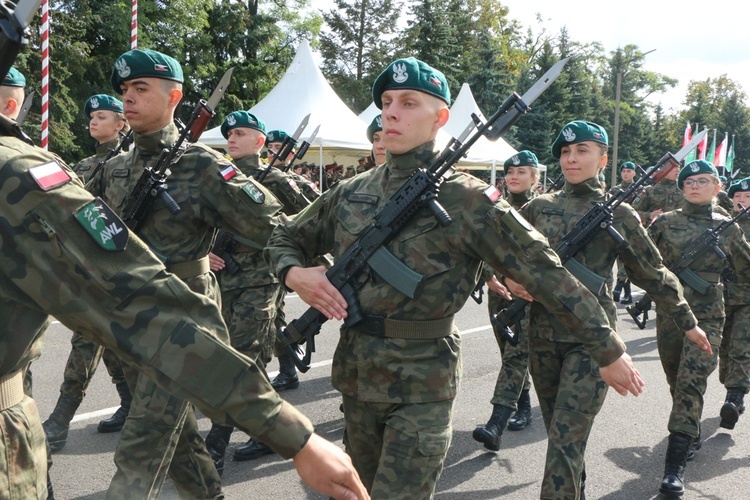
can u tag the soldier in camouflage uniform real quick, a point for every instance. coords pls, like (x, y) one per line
(106, 121)
(686, 367)
(627, 172)
(512, 386)
(734, 353)
(250, 293)
(375, 136)
(274, 138)
(566, 376)
(399, 368)
(662, 197)
(211, 193)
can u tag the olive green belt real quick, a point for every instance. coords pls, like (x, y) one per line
(189, 269)
(378, 326)
(11, 390)
(710, 277)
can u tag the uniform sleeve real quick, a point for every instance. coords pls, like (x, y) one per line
(642, 205)
(646, 269)
(739, 255)
(287, 191)
(509, 243)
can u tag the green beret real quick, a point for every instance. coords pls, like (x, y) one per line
(244, 119)
(578, 131)
(521, 159)
(144, 64)
(739, 186)
(411, 74)
(629, 165)
(14, 78)
(276, 136)
(694, 168)
(375, 126)
(102, 102)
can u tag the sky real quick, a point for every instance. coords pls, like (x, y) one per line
(692, 40)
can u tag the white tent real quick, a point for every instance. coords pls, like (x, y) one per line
(303, 89)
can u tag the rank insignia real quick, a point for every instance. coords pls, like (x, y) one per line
(101, 223)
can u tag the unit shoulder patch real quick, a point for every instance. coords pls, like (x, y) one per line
(103, 225)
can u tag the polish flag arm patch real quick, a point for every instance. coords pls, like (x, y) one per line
(492, 193)
(49, 175)
(228, 172)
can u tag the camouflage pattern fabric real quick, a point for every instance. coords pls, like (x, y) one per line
(211, 194)
(665, 195)
(734, 354)
(425, 373)
(123, 299)
(85, 167)
(82, 362)
(570, 391)
(306, 186)
(687, 367)
(724, 201)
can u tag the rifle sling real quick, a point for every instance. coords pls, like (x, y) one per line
(379, 326)
(246, 242)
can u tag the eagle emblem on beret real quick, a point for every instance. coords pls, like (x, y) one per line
(379, 121)
(94, 102)
(568, 134)
(515, 160)
(744, 185)
(400, 74)
(122, 68)
(694, 167)
(270, 137)
(231, 121)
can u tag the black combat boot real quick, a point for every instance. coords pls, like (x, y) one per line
(56, 426)
(522, 418)
(616, 291)
(217, 441)
(491, 432)
(674, 464)
(733, 407)
(287, 377)
(251, 450)
(695, 445)
(116, 421)
(626, 297)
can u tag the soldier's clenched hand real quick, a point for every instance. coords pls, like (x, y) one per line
(327, 469)
(622, 376)
(313, 287)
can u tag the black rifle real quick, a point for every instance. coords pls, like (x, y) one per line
(555, 184)
(370, 252)
(286, 148)
(126, 141)
(698, 248)
(598, 218)
(224, 247)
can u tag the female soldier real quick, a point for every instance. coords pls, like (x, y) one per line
(512, 386)
(375, 136)
(687, 368)
(106, 121)
(567, 381)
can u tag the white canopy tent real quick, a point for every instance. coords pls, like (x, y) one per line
(303, 89)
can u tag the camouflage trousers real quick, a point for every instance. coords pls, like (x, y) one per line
(514, 372)
(687, 368)
(571, 393)
(279, 349)
(250, 314)
(161, 437)
(734, 354)
(621, 274)
(398, 449)
(23, 453)
(82, 363)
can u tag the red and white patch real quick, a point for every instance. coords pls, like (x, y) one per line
(49, 175)
(492, 193)
(161, 67)
(292, 184)
(228, 173)
(435, 81)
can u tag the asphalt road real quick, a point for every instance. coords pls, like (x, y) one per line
(625, 456)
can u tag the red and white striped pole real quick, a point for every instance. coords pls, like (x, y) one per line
(134, 26)
(45, 74)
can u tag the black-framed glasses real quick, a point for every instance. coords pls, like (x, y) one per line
(702, 182)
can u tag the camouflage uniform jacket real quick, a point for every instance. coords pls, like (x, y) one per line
(556, 214)
(85, 167)
(665, 195)
(516, 200)
(724, 201)
(736, 293)
(397, 370)
(253, 269)
(675, 231)
(51, 264)
(306, 186)
(196, 184)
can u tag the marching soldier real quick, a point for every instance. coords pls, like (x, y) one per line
(687, 368)
(513, 383)
(627, 172)
(274, 138)
(566, 378)
(662, 197)
(398, 368)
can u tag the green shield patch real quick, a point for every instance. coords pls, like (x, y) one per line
(254, 193)
(101, 223)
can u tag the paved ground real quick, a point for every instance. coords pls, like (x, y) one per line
(624, 459)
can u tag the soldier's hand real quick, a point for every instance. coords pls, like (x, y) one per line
(655, 214)
(327, 469)
(622, 376)
(313, 287)
(698, 336)
(215, 262)
(518, 290)
(497, 287)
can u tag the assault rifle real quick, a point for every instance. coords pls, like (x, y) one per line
(697, 248)
(153, 181)
(224, 247)
(287, 145)
(598, 218)
(125, 142)
(555, 184)
(370, 252)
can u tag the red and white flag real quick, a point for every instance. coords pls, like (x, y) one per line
(687, 135)
(720, 158)
(228, 173)
(49, 175)
(703, 148)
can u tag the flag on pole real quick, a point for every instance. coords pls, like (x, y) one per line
(720, 159)
(687, 135)
(691, 155)
(712, 150)
(729, 164)
(702, 147)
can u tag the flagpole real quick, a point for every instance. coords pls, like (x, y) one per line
(134, 26)
(45, 74)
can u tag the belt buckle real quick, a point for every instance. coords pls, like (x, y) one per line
(374, 326)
